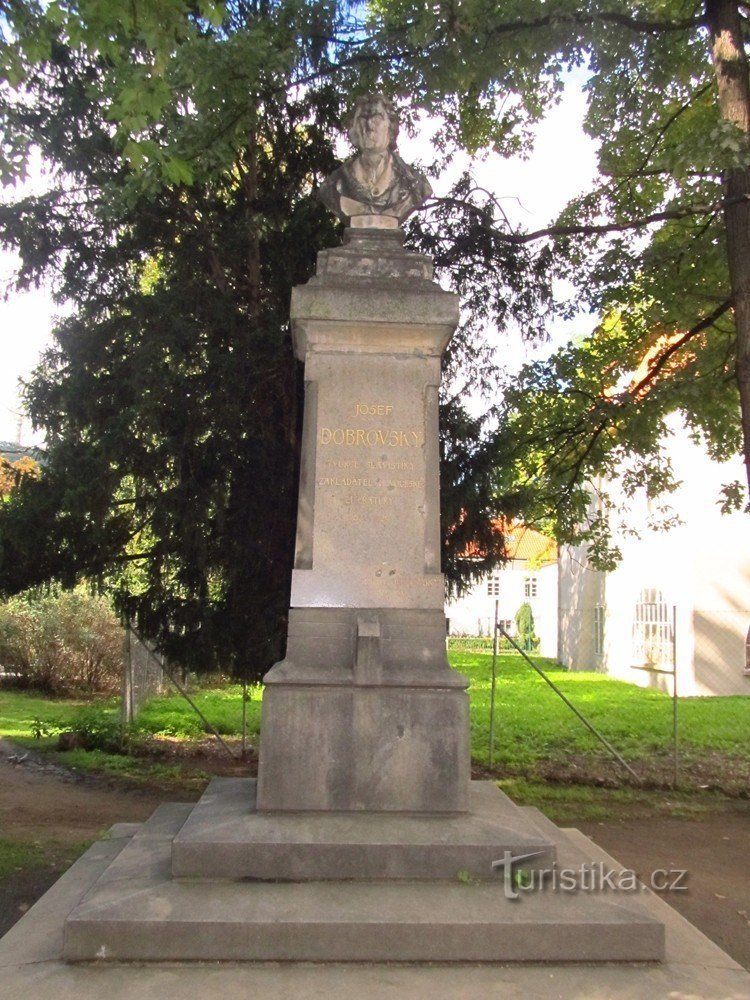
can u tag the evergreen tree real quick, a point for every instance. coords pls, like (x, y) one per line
(525, 626)
(183, 157)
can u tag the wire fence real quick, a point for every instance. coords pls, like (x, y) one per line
(146, 674)
(143, 675)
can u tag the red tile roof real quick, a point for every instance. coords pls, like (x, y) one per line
(522, 544)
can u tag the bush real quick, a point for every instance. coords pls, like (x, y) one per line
(95, 729)
(63, 643)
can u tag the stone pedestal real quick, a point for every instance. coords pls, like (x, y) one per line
(366, 841)
(365, 713)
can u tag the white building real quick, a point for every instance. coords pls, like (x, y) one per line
(530, 575)
(679, 598)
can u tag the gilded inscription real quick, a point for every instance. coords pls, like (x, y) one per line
(341, 463)
(364, 438)
(343, 475)
(391, 466)
(405, 484)
(368, 501)
(344, 481)
(373, 410)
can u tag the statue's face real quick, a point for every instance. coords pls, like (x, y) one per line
(371, 131)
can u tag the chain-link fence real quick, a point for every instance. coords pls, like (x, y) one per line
(143, 675)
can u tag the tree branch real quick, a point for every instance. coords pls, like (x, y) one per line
(659, 364)
(582, 19)
(584, 230)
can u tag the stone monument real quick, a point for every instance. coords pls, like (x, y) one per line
(365, 712)
(350, 846)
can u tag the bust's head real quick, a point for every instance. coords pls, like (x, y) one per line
(374, 124)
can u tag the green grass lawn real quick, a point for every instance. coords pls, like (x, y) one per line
(532, 722)
(172, 716)
(23, 715)
(535, 732)
(26, 716)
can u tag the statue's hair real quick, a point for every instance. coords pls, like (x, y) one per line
(365, 101)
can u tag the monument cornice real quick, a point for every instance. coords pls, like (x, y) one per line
(382, 335)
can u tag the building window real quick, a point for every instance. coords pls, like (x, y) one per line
(599, 629)
(653, 631)
(493, 586)
(529, 586)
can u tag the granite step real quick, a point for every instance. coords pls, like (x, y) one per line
(137, 912)
(224, 837)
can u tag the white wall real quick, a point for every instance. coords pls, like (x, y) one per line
(474, 613)
(701, 567)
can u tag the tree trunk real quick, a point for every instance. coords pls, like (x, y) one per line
(733, 81)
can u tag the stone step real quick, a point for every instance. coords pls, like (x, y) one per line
(225, 838)
(150, 917)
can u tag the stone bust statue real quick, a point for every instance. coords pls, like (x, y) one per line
(375, 182)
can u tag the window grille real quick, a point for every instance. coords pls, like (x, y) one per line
(493, 586)
(529, 586)
(653, 631)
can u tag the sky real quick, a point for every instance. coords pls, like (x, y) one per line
(533, 192)
(25, 325)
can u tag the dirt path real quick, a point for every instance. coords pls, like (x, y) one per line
(63, 812)
(715, 852)
(46, 803)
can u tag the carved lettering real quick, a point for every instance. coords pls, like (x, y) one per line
(344, 481)
(372, 410)
(405, 484)
(391, 466)
(368, 501)
(343, 463)
(361, 437)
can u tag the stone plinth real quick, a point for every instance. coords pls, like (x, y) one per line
(136, 912)
(223, 838)
(365, 713)
(368, 529)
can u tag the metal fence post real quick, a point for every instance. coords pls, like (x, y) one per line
(491, 753)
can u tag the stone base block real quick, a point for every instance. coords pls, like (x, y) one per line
(31, 963)
(224, 837)
(136, 912)
(354, 747)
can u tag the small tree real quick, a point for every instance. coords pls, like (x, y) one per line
(525, 626)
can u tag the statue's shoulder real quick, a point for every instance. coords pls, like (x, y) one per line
(412, 177)
(335, 184)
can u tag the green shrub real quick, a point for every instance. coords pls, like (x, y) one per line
(525, 628)
(97, 729)
(61, 643)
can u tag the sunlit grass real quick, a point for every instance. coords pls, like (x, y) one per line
(533, 726)
(533, 723)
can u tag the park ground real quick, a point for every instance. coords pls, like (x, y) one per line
(52, 804)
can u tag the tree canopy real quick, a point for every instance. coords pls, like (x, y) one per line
(184, 141)
(658, 248)
(179, 214)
